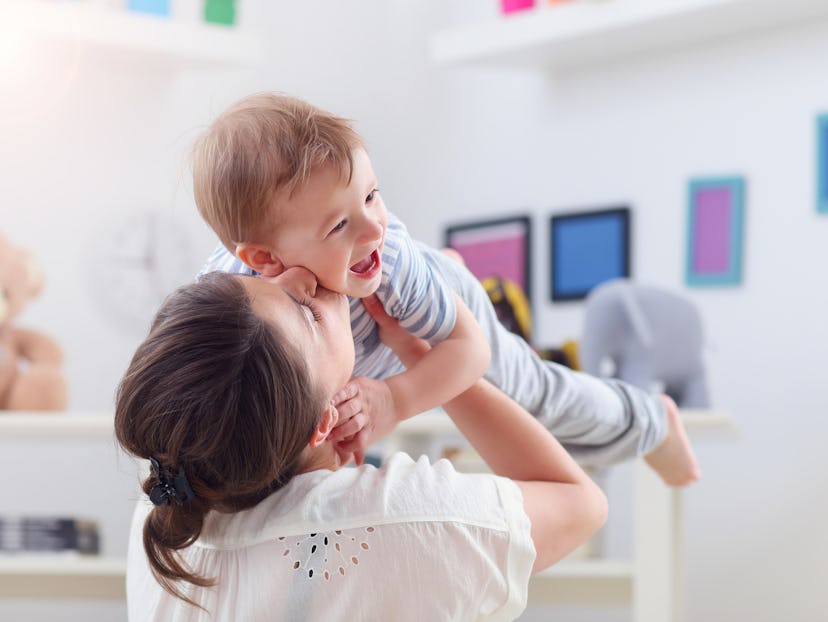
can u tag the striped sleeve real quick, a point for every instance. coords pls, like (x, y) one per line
(412, 291)
(222, 260)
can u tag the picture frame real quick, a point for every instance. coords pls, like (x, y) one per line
(587, 248)
(497, 247)
(822, 163)
(715, 219)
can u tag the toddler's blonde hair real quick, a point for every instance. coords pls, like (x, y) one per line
(265, 144)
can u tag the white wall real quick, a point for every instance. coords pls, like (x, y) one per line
(451, 144)
(638, 130)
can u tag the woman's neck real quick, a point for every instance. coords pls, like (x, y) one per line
(318, 458)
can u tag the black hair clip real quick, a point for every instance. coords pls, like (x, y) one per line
(176, 487)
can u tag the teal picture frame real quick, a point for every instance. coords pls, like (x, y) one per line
(822, 163)
(715, 224)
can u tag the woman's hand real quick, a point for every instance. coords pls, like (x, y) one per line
(366, 414)
(366, 407)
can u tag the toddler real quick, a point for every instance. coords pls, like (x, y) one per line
(283, 184)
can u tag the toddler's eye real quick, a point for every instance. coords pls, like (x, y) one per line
(339, 226)
(371, 195)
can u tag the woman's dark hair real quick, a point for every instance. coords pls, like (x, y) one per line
(218, 392)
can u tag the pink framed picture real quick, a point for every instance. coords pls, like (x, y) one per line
(500, 247)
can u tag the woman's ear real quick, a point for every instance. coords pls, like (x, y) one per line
(260, 258)
(330, 416)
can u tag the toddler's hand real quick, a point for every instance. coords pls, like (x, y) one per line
(408, 348)
(366, 414)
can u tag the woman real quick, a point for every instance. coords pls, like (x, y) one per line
(249, 515)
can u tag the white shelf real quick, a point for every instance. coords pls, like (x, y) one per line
(62, 576)
(123, 34)
(14, 425)
(68, 575)
(584, 32)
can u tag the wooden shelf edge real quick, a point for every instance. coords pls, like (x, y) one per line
(594, 581)
(54, 577)
(706, 419)
(62, 425)
(590, 568)
(62, 565)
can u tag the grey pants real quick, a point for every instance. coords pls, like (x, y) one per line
(599, 421)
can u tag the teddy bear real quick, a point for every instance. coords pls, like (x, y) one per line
(31, 377)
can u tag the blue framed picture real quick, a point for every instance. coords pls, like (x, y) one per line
(715, 217)
(586, 249)
(822, 164)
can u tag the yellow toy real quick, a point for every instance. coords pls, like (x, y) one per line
(513, 311)
(511, 305)
(30, 362)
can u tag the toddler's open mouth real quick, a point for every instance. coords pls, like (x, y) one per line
(368, 266)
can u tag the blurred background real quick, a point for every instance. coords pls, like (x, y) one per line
(99, 106)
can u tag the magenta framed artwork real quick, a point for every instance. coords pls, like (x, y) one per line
(715, 217)
(500, 247)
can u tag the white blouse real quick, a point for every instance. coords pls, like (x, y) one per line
(407, 541)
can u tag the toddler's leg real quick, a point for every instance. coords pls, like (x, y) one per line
(600, 422)
(673, 459)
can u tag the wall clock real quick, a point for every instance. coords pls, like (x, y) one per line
(135, 262)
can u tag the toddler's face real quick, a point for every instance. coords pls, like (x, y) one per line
(335, 230)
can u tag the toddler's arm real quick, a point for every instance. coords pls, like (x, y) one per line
(564, 506)
(445, 371)
(370, 409)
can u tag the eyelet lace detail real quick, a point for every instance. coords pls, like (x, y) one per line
(325, 555)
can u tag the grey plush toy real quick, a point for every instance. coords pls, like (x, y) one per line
(652, 336)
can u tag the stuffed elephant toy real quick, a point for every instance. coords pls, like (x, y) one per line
(653, 338)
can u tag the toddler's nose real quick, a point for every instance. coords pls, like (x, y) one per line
(372, 231)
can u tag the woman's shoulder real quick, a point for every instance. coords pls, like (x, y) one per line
(400, 490)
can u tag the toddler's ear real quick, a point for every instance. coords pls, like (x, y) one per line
(323, 429)
(260, 258)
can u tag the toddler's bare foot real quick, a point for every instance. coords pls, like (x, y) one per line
(673, 459)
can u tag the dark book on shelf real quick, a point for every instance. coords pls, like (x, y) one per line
(48, 535)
